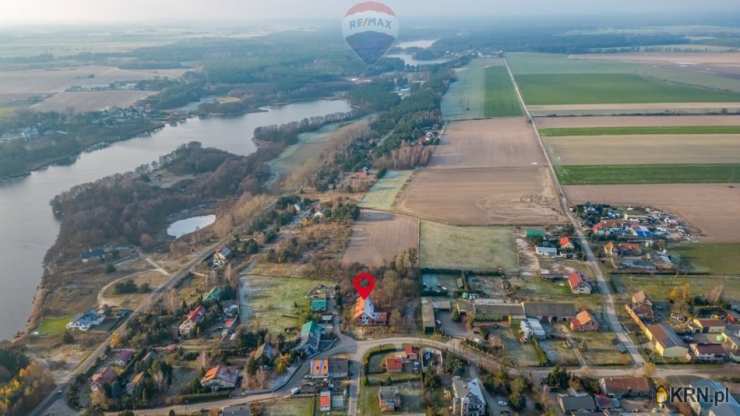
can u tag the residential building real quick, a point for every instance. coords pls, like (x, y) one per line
(221, 257)
(220, 378)
(428, 316)
(311, 334)
(532, 327)
(666, 342)
(546, 251)
(193, 318)
(575, 404)
(550, 311)
(105, 375)
(578, 285)
(122, 357)
(708, 352)
(319, 304)
(711, 326)
(621, 387)
(468, 399)
(584, 322)
(325, 401)
(364, 313)
(411, 352)
(393, 364)
(494, 310)
(389, 399)
(86, 321)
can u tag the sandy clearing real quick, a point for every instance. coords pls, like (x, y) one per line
(482, 196)
(378, 237)
(636, 121)
(45, 81)
(731, 59)
(85, 101)
(498, 142)
(712, 208)
(646, 149)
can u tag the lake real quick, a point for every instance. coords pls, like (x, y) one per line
(28, 228)
(183, 227)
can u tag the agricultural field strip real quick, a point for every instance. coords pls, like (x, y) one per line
(501, 99)
(638, 130)
(597, 89)
(637, 121)
(648, 174)
(644, 150)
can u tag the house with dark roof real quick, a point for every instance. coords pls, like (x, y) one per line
(468, 398)
(666, 342)
(708, 353)
(712, 326)
(550, 311)
(576, 404)
(486, 310)
(220, 378)
(103, 376)
(622, 387)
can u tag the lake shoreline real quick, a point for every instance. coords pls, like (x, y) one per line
(303, 110)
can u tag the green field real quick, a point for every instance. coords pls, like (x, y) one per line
(383, 193)
(542, 63)
(718, 258)
(53, 326)
(292, 407)
(645, 174)
(624, 131)
(501, 98)
(466, 97)
(591, 88)
(271, 301)
(477, 249)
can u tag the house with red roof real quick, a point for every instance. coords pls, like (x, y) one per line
(584, 322)
(578, 285)
(393, 364)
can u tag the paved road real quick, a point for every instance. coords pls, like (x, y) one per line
(593, 262)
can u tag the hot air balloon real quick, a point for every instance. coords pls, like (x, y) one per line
(370, 28)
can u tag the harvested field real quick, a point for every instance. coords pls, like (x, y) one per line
(483, 196)
(643, 150)
(477, 249)
(383, 193)
(712, 208)
(485, 172)
(378, 237)
(90, 100)
(499, 142)
(636, 121)
(666, 109)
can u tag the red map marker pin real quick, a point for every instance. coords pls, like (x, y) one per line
(364, 284)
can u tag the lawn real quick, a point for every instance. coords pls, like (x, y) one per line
(383, 194)
(591, 88)
(501, 97)
(646, 174)
(659, 287)
(478, 249)
(623, 131)
(271, 301)
(292, 407)
(54, 325)
(559, 352)
(598, 348)
(718, 258)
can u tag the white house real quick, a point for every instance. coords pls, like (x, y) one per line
(468, 398)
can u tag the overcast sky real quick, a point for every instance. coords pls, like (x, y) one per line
(64, 11)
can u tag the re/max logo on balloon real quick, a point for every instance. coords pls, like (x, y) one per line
(369, 22)
(370, 28)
